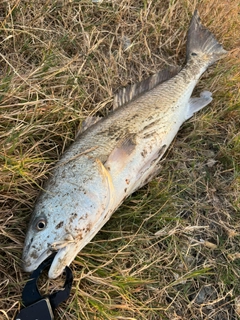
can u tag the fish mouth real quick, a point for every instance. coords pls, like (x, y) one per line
(60, 261)
(63, 257)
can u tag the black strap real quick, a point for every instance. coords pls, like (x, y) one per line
(57, 297)
(31, 293)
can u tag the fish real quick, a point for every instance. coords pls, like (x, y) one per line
(116, 155)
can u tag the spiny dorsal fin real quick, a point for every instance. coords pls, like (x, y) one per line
(127, 94)
(88, 122)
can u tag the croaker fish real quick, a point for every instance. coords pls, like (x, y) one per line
(115, 156)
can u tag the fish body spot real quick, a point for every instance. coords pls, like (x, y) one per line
(59, 225)
(79, 236)
(74, 215)
(34, 254)
(144, 153)
(88, 227)
(84, 217)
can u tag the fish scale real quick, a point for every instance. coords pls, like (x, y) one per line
(116, 155)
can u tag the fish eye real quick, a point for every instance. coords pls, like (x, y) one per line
(40, 225)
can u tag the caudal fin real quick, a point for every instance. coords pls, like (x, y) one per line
(201, 42)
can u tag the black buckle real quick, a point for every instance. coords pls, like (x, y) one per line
(43, 306)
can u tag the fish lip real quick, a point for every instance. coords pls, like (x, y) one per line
(52, 273)
(29, 266)
(63, 258)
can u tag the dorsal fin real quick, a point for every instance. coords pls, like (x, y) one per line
(127, 94)
(87, 123)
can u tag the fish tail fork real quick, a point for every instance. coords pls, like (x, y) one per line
(202, 44)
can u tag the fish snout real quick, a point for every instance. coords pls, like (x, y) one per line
(26, 266)
(33, 257)
(28, 261)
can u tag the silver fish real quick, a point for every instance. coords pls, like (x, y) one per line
(115, 156)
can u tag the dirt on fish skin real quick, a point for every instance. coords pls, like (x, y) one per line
(107, 158)
(66, 61)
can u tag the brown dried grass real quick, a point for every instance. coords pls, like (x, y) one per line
(61, 61)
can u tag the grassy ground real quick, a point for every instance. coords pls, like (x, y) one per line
(172, 250)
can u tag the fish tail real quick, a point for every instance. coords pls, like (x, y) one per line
(202, 43)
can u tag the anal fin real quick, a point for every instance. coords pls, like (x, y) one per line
(197, 103)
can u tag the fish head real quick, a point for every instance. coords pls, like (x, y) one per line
(44, 237)
(62, 228)
(68, 213)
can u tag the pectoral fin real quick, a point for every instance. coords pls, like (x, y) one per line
(121, 154)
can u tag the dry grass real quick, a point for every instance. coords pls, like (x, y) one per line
(172, 250)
